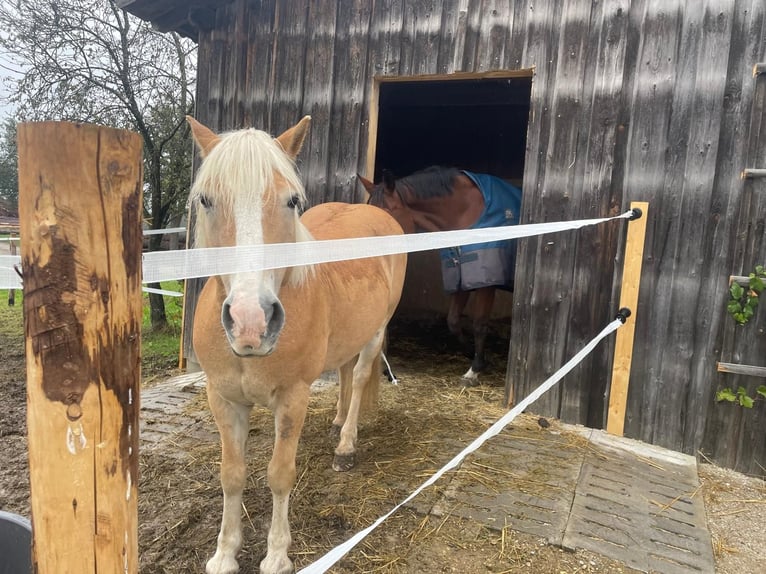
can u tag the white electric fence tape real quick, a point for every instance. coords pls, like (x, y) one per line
(188, 263)
(332, 557)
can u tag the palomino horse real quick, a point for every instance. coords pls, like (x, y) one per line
(446, 199)
(263, 337)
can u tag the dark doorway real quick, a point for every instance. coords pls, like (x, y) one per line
(479, 124)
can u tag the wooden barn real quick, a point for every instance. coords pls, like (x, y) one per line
(589, 105)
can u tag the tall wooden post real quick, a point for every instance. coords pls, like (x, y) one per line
(623, 346)
(80, 209)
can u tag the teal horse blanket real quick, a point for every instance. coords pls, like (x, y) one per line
(485, 264)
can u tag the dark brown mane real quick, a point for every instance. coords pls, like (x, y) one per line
(428, 183)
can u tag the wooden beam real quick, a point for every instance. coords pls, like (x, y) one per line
(80, 211)
(759, 68)
(753, 173)
(623, 348)
(735, 369)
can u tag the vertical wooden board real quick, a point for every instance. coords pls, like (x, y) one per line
(494, 31)
(80, 209)
(644, 177)
(541, 35)
(290, 42)
(681, 412)
(258, 85)
(452, 36)
(625, 339)
(352, 35)
(232, 64)
(730, 210)
(514, 49)
(595, 197)
(317, 97)
(384, 46)
(470, 27)
(554, 267)
(383, 54)
(427, 19)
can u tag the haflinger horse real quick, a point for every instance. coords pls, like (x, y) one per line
(447, 199)
(263, 337)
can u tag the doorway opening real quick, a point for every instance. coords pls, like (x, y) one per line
(477, 122)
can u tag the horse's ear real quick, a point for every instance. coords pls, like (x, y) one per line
(204, 137)
(389, 181)
(366, 183)
(292, 140)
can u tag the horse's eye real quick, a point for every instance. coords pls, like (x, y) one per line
(293, 202)
(205, 201)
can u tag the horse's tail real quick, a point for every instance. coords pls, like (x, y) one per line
(372, 388)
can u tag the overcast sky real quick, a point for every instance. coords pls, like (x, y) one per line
(7, 70)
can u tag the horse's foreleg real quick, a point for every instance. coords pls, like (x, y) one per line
(289, 414)
(345, 382)
(457, 303)
(484, 298)
(366, 367)
(233, 425)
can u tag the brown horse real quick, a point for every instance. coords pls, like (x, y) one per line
(264, 337)
(447, 199)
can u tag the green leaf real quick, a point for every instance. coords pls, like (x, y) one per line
(746, 401)
(736, 291)
(752, 302)
(756, 283)
(761, 390)
(725, 395)
(733, 307)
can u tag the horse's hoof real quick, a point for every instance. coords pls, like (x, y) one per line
(281, 565)
(220, 564)
(466, 382)
(470, 378)
(343, 462)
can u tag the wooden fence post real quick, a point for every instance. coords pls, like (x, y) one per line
(80, 208)
(623, 347)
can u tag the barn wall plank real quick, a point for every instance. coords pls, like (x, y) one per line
(688, 188)
(595, 197)
(644, 178)
(555, 255)
(288, 69)
(317, 97)
(349, 88)
(733, 435)
(530, 310)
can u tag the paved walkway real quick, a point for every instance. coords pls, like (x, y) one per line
(621, 498)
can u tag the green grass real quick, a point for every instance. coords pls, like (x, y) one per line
(159, 349)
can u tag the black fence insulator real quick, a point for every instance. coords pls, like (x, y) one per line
(636, 214)
(623, 314)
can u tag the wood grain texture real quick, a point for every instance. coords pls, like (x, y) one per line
(80, 209)
(625, 339)
(640, 100)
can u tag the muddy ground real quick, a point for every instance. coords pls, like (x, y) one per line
(411, 434)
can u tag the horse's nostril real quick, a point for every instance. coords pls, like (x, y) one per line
(275, 316)
(226, 318)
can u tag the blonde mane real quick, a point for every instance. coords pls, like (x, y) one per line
(247, 163)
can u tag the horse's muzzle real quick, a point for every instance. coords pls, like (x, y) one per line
(253, 330)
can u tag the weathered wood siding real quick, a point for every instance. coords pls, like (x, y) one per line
(647, 100)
